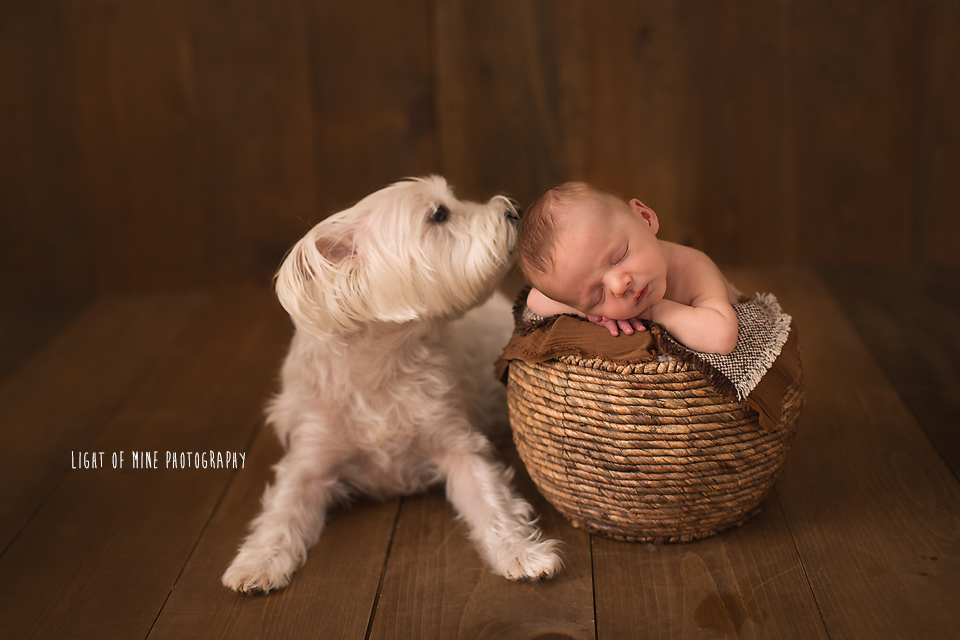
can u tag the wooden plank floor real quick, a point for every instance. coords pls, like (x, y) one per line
(859, 539)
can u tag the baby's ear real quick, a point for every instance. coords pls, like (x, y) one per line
(337, 249)
(646, 213)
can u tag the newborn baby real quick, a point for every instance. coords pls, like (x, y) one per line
(589, 253)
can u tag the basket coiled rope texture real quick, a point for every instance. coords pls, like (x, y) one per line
(645, 452)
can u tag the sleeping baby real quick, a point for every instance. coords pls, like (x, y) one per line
(589, 253)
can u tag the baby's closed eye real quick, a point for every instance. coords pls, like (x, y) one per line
(598, 299)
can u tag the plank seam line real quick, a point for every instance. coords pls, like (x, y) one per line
(593, 589)
(109, 413)
(88, 445)
(383, 571)
(877, 362)
(203, 530)
(435, 80)
(26, 523)
(803, 566)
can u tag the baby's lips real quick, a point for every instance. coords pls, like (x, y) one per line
(641, 295)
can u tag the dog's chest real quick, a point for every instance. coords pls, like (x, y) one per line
(386, 431)
(391, 442)
(395, 409)
(382, 398)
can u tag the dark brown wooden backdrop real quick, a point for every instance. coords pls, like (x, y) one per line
(181, 143)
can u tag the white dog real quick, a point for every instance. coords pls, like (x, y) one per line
(389, 382)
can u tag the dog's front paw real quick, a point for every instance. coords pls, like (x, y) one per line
(251, 575)
(529, 558)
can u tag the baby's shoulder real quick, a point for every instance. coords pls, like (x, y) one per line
(683, 259)
(692, 275)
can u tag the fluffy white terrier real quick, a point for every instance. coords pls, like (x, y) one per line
(388, 386)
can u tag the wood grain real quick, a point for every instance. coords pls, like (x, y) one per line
(851, 72)
(109, 540)
(136, 143)
(61, 400)
(748, 582)
(740, 176)
(27, 324)
(909, 319)
(173, 144)
(626, 106)
(331, 596)
(436, 585)
(936, 200)
(859, 539)
(496, 94)
(246, 78)
(46, 235)
(372, 96)
(874, 510)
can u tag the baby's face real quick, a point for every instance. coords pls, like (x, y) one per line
(607, 259)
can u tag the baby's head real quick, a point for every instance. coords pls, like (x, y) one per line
(542, 219)
(587, 248)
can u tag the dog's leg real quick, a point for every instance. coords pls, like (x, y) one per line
(499, 521)
(294, 511)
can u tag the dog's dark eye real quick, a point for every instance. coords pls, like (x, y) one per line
(440, 214)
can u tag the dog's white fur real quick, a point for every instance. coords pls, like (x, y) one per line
(388, 386)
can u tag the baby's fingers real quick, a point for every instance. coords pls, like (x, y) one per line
(616, 326)
(612, 326)
(626, 326)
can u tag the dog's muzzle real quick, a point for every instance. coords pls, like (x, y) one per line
(511, 209)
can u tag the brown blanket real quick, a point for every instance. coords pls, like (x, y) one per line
(764, 363)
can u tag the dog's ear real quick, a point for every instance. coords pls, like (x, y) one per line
(316, 282)
(338, 249)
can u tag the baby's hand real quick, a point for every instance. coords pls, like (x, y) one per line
(616, 326)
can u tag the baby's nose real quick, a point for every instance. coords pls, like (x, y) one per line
(621, 285)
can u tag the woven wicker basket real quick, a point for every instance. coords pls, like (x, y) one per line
(644, 452)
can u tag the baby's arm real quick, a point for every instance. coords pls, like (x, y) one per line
(697, 310)
(708, 325)
(546, 307)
